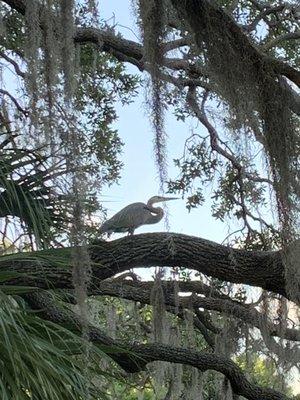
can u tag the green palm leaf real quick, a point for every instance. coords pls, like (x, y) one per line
(38, 357)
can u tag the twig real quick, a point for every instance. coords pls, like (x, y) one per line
(16, 103)
(14, 64)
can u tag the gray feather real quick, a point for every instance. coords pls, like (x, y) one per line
(130, 218)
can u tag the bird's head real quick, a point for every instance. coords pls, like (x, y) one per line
(158, 199)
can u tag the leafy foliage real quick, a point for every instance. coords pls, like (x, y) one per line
(264, 372)
(41, 197)
(26, 193)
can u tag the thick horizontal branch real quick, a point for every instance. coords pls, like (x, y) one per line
(140, 291)
(53, 269)
(135, 357)
(129, 51)
(110, 43)
(264, 269)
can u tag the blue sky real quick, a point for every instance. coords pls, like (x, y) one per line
(139, 177)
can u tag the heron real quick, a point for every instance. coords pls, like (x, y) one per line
(135, 215)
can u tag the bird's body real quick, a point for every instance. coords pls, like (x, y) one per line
(134, 215)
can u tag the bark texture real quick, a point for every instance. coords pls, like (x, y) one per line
(52, 268)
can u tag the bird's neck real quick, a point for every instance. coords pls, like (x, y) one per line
(154, 210)
(159, 213)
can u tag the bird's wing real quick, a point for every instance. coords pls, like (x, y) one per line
(130, 216)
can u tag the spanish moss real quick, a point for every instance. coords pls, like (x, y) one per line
(160, 330)
(175, 370)
(52, 51)
(80, 257)
(194, 385)
(190, 329)
(159, 320)
(264, 108)
(33, 41)
(68, 48)
(152, 26)
(112, 321)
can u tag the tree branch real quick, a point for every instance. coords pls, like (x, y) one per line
(264, 11)
(15, 101)
(135, 357)
(130, 51)
(140, 291)
(14, 64)
(175, 44)
(53, 269)
(110, 43)
(208, 16)
(281, 38)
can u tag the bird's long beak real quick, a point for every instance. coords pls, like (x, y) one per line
(162, 199)
(169, 198)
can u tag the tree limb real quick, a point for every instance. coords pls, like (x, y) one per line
(281, 38)
(140, 291)
(53, 269)
(134, 357)
(130, 51)
(15, 101)
(200, 13)
(14, 64)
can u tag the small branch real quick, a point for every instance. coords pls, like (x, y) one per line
(265, 10)
(204, 317)
(175, 44)
(281, 38)
(16, 103)
(241, 173)
(291, 96)
(14, 64)
(283, 68)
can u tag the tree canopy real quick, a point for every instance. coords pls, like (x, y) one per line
(78, 320)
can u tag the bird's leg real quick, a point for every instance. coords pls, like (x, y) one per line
(130, 231)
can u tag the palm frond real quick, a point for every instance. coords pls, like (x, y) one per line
(26, 180)
(37, 357)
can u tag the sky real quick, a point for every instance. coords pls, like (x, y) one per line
(139, 179)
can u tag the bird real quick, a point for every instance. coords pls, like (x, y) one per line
(135, 215)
